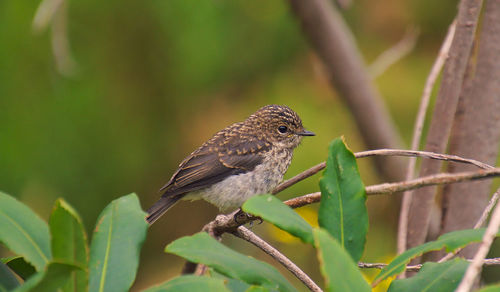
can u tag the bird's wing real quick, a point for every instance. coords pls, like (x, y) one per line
(204, 167)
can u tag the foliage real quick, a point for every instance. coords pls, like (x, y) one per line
(114, 254)
(343, 200)
(56, 256)
(154, 79)
(451, 241)
(201, 248)
(445, 277)
(191, 283)
(269, 208)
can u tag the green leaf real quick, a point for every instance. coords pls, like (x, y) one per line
(460, 238)
(258, 289)
(451, 241)
(69, 243)
(8, 280)
(341, 273)
(54, 277)
(24, 232)
(201, 248)
(22, 268)
(433, 277)
(116, 244)
(342, 211)
(234, 285)
(491, 288)
(271, 209)
(190, 283)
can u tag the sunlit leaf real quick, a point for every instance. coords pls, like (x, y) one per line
(271, 209)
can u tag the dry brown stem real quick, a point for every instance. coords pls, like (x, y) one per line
(251, 237)
(334, 43)
(417, 134)
(419, 216)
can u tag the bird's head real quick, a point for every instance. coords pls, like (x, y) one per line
(279, 125)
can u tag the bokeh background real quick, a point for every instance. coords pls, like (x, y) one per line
(151, 80)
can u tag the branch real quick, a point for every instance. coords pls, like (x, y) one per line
(381, 152)
(416, 268)
(476, 129)
(251, 237)
(226, 223)
(334, 43)
(45, 14)
(394, 53)
(442, 118)
(65, 63)
(478, 224)
(54, 12)
(417, 133)
(475, 267)
(437, 179)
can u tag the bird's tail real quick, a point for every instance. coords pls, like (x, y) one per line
(160, 207)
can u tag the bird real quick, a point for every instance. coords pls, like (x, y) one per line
(240, 161)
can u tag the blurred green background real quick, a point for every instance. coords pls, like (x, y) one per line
(154, 79)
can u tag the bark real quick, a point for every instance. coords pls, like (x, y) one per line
(476, 132)
(442, 119)
(335, 45)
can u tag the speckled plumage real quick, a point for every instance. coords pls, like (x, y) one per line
(240, 161)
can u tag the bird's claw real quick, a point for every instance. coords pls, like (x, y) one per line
(242, 217)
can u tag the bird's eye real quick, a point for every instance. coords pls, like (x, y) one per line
(282, 129)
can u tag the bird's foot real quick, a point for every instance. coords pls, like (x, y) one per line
(242, 217)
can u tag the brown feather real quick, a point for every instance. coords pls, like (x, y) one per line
(204, 167)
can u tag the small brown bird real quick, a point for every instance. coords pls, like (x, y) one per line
(245, 159)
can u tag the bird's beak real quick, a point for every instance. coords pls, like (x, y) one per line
(305, 132)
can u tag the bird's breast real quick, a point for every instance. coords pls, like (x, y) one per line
(233, 191)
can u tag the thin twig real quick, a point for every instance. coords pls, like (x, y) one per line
(478, 224)
(475, 267)
(226, 223)
(487, 210)
(416, 268)
(65, 63)
(44, 14)
(380, 266)
(417, 133)
(251, 237)
(381, 152)
(394, 53)
(425, 154)
(335, 46)
(438, 179)
(212, 228)
(54, 12)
